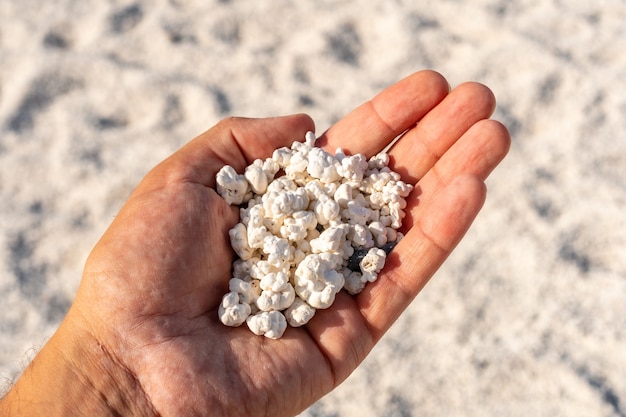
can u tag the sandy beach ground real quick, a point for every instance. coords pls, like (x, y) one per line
(528, 317)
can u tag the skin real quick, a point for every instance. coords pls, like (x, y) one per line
(143, 337)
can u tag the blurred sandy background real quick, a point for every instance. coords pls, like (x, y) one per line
(528, 318)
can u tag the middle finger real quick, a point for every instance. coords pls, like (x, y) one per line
(419, 148)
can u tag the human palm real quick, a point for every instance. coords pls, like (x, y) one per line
(153, 283)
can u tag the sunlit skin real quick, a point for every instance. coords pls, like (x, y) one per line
(143, 336)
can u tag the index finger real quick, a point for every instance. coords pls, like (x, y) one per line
(375, 123)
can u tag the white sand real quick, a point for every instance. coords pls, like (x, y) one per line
(528, 318)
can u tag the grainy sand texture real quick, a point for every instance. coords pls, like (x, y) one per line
(528, 317)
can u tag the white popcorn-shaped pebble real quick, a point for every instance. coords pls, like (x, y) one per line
(379, 161)
(278, 293)
(379, 233)
(322, 165)
(248, 291)
(353, 167)
(256, 177)
(282, 156)
(361, 236)
(284, 203)
(231, 186)
(309, 139)
(239, 241)
(278, 250)
(326, 210)
(329, 240)
(271, 324)
(299, 313)
(256, 228)
(316, 281)
(356, 212)
(232, 311)
(343, 195)
(354, 283)
(372, 263)
(241, 268)
(296, 227)
(282, 184)
(298, 232)
(297, 167)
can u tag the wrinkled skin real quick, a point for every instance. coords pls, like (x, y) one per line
(152, 285)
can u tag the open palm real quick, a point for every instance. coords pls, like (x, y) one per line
(153, 283)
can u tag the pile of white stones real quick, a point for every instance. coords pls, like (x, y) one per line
(303, 214)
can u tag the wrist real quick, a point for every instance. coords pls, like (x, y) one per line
(73, 375)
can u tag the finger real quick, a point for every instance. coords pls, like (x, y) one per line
(477, 152)
(233, 141)
(422, 251)
(371, 126)
(418, 150)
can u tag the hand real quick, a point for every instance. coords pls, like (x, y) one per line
(143, 335)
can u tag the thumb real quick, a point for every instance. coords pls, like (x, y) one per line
(233, 141)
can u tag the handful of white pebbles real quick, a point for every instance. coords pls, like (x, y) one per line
(311, 224)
